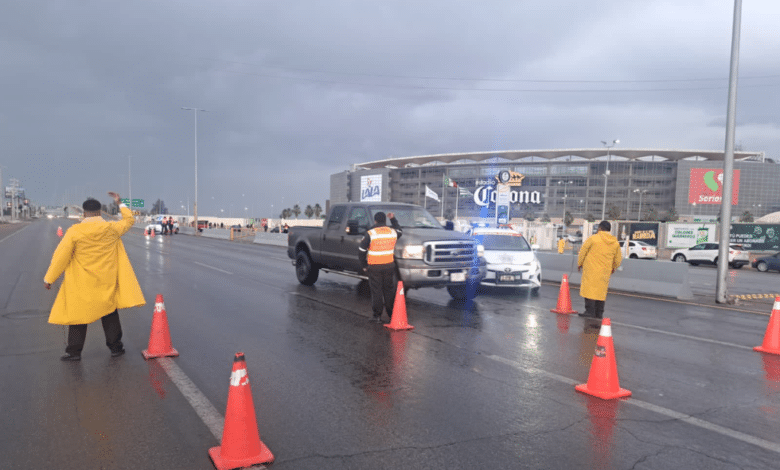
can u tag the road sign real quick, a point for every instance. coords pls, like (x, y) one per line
(125, 201)
(138, 202)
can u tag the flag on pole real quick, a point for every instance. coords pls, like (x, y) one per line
(450, 183)
(463, 192)
(431, 193)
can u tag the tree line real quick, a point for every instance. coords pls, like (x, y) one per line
(310, 211)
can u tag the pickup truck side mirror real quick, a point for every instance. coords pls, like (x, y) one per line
(535, 247)
(353, 227)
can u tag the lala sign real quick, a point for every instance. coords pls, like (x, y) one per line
(486, 194)
(371, 188)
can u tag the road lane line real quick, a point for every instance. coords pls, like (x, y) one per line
(202, 406)
(14, 233)
(212, 267)
(700, 423)
(695, 338)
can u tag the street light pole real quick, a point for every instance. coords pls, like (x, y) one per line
(641, 193)
(195, 203)
(606, 176)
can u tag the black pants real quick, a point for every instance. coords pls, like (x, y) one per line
(77, 334)
(594, 308)
(381, 280)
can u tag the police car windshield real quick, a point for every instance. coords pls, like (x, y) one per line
(416, 217)
(506, 242)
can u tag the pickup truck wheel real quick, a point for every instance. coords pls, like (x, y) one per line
(305, 270)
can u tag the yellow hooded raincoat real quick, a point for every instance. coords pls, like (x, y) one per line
(599, 257)
(98, 276)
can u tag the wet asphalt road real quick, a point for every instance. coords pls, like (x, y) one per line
(487, 385)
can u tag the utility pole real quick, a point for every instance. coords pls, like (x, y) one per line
(728, 161)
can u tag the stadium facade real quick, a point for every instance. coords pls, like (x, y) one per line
(553, 182)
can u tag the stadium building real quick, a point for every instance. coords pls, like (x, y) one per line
(553, 182)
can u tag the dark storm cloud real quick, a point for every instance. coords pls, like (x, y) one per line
(296, 91)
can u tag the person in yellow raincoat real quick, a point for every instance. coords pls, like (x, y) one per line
(599, 257)
(98, 278)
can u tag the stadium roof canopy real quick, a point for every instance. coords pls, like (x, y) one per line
(558, 155)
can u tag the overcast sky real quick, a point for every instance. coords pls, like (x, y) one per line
(298, 90)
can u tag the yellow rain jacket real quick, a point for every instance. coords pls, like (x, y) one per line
(599, 257)
(98, 276)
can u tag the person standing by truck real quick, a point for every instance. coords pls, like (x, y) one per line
(376, 256)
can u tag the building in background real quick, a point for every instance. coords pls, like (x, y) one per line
(552, 182)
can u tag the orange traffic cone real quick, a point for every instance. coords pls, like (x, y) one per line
(59, 231)
(241, 444)
(146, 232)
(603, 377)
(151, 232)
(398, 322)
(564, 300)
(159, 337)
(771, 342)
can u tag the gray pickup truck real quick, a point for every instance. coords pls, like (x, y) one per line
(427, 255)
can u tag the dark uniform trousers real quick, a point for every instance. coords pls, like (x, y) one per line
(77, 334)
(594, 308)
(381, 280)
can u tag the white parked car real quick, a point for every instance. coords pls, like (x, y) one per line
(639, 249)
(511, 261)
(707, 253)
(156, 225)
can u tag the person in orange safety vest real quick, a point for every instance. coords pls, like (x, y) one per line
(376, 256)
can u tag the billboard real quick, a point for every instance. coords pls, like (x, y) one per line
(687, 235)
(371, 188)
(642, 231)
(706, 184)
(756, 237)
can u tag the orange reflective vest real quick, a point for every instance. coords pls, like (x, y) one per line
(380, 251)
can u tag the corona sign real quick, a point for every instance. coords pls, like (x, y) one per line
(485, 194)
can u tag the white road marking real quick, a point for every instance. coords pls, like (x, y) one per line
(212, 267)
(740, 436)
(11, 235)
(679, 335)
(202, 406)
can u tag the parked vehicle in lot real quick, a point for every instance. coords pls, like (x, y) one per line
(768, 263)
(707, 253)
(427, 255)
(639, 249)
(511, 261)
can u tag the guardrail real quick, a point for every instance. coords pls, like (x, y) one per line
(641, 276)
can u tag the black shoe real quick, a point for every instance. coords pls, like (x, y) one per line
(71, 357)
(375, 320)
(587, 315)
(117, 353)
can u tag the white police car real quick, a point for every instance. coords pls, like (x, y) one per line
(511, 260)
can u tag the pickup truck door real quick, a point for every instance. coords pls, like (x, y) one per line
(351, 245)
(332, 234)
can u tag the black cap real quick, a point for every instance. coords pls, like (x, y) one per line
(91, 205)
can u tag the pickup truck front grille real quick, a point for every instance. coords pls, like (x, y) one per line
(449, 251)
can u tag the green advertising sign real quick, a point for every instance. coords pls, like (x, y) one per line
(756, 237)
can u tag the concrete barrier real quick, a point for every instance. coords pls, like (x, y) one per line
(220, 233)
(187, 230)
(641, 276)
(265, 238)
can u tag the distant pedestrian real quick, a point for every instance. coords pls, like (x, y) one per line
(286, 229)
(598, 259)
(376, 255)
(98, 278)
(170, 225)
(561, 245)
